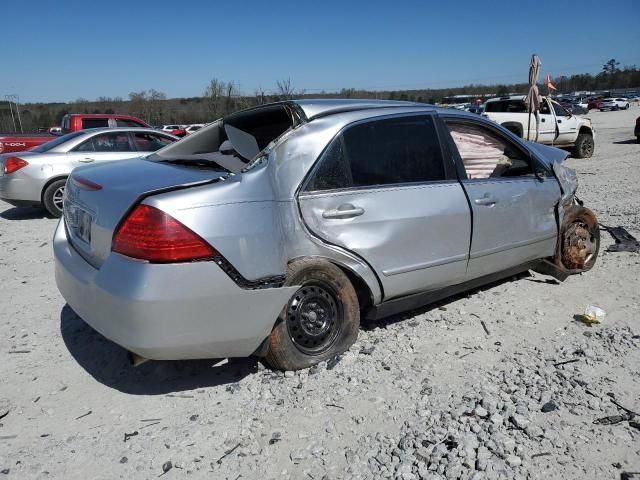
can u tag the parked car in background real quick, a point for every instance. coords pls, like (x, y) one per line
(617, 103)
(477, 109)
(636, 131)
(38, 177)
(555, 125)
(14, 142)
(176, 130)
(274, 230)
(594, 103)
(193, 128)
(581, 101)
(576, 109)
(76, 122)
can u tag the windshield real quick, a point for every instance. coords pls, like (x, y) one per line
(45, 147)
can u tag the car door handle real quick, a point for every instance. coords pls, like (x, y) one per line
(486, 200)
(86, 160)
(343, 211)
(559, 121)
(542, 120)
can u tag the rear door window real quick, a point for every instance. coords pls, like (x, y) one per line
(381, 152)
(94, 123)
(503, 106)
(150, 142)
(107, 142)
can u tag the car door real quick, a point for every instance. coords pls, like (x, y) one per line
(102, 147)
(568, 125)
(513, 198)
(146, 142)
(383, 191)
(547, 123)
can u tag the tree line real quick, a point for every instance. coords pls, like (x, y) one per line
(222, 97)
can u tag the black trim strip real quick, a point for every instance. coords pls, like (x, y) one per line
(420, 299)
(275, 281)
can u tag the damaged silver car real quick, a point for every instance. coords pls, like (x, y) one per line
(275, 230)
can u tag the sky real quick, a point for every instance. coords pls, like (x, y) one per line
(67, 49)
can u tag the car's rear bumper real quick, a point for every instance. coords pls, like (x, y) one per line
(166, 312)
(18, 191)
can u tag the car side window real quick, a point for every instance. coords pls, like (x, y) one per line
(559, 110)
(107, 142)
(121, 122)
(94, 123)
(150, 142)
(485, 154)
(544, 108)
(381, 152)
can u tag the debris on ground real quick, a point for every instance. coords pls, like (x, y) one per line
(593, 315)
(625, 242)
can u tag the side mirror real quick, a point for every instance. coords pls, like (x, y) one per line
(539, 172)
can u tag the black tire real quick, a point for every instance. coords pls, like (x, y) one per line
(579, 239)
(584, 146)
(637, 139)
(52, 197)
(320, 321)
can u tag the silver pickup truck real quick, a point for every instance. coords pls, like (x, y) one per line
(554, 125)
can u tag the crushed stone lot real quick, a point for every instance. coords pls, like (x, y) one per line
(430, 394)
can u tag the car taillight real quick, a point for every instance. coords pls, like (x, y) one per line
(150, 234)
(85, 184)
(13, 164)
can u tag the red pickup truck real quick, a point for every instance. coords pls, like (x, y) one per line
(12, 142)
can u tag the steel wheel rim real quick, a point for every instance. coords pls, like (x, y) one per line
(58, 197)
(314, 318)
(587, 147)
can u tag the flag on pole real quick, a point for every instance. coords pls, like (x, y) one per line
(549, 84)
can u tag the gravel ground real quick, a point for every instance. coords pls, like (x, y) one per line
(430, 394)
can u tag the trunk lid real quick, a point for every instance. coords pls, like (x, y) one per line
(92, 214)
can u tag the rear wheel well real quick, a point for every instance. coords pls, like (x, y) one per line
(49, 182)
(365, 297)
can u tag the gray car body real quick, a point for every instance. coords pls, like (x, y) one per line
(260, 221)
(26, 186)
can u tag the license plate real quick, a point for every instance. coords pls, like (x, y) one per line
(79, 221)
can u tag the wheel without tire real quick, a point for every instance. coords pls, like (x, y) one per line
(579, 239)
(52, 197)
(584, 146)
(320, 321)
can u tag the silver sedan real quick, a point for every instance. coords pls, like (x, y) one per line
(38, 177)
(274, 230)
